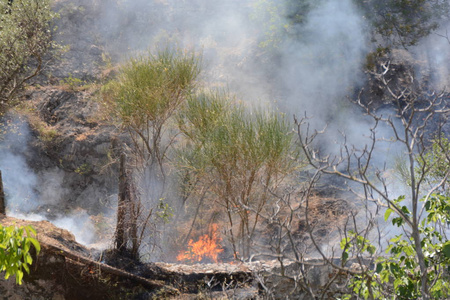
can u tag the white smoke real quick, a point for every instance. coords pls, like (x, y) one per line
(323, 67)
(27, 195)
(433, 53)
(18, 180)
(78, 223)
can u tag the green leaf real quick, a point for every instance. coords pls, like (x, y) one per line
(28, 259)
(399, 199)
(427, 205)
(394, 267)
(26, 268)
(19, 276)
(397, 221)
(379, 267)
(35, 244)
(344, 243)
(409, 250)
(446, 249)
(395, 239)
(405, 210)
(387, 214)
(384, 276)
(30, 230)
(344, 256)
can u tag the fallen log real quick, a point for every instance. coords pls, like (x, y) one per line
(104, 268)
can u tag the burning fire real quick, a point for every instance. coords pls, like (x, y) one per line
(207, 246)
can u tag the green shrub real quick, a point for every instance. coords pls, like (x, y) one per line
(15, 245)
(239, 155)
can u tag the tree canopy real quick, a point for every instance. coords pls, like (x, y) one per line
(25, 39)
(404, 22)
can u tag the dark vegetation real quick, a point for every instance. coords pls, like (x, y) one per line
(182, 162)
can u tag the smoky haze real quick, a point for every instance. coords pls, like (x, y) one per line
(319, 70)
(313, 74)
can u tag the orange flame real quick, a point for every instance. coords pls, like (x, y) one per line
(207, 246)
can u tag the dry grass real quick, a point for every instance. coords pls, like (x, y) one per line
(46, 132)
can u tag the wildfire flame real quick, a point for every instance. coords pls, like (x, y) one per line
(207, 246)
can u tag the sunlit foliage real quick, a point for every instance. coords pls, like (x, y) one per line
(15, 246)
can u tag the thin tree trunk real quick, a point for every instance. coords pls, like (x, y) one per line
(2, 197)
(120, 240)
(135, 211)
